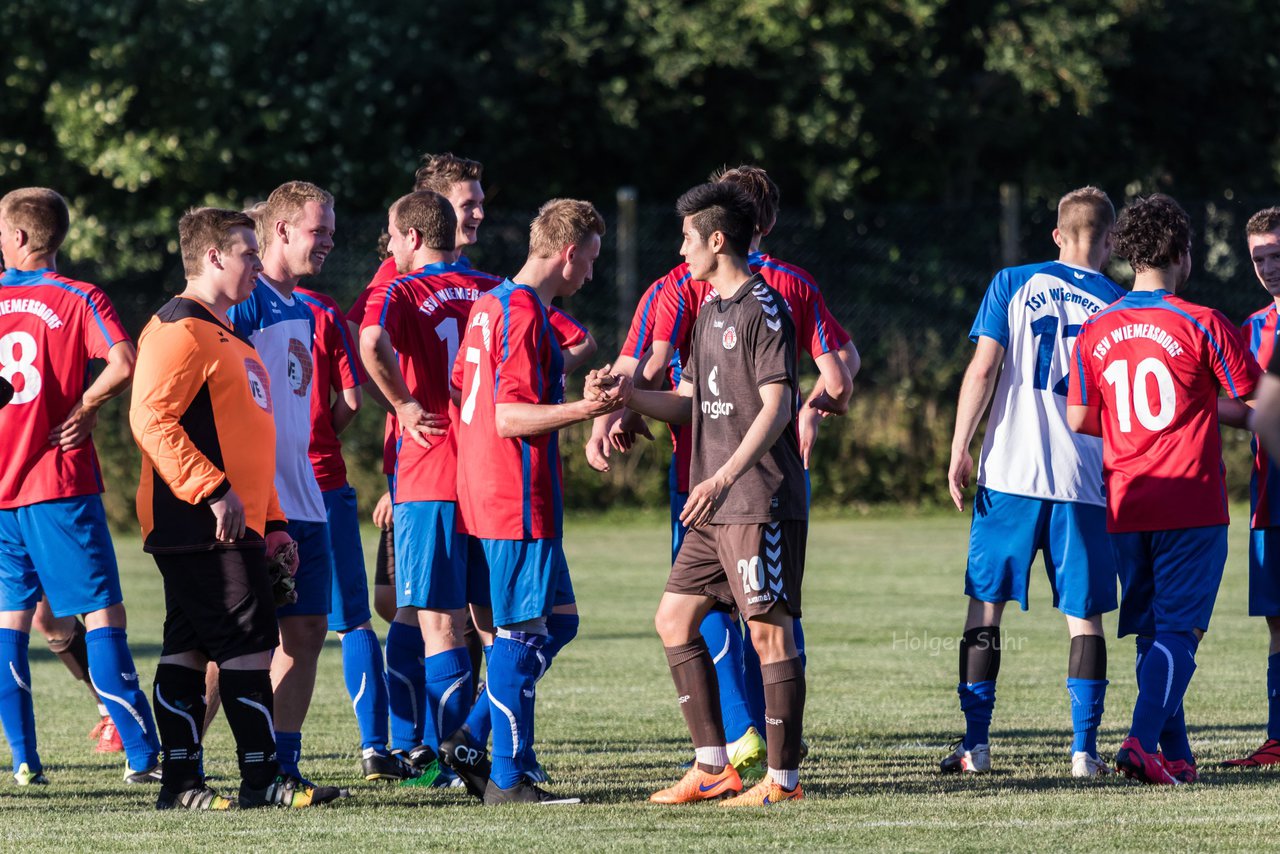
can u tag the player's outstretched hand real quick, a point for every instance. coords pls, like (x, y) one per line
(630, 427)
(382, 513)
(77, 427)
(704, 500)
(228, 513)
(420, 424)
(597, 447)
(281, 547)
(807, 427)
(958, 477)
(824, 402)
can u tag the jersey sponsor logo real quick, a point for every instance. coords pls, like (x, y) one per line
(716, 408)
(301, 368)
(730, 339)
(31, 306)
(259, 384)
(711, 381)
(1150, 331)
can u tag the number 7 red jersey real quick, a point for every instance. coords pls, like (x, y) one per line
(1154, 364)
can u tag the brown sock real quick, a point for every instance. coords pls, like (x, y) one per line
(784, 691)
(695, 676)
(74, 654)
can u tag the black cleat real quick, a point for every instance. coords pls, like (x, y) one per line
(151, 775)
(524, 792)
(289, 792)
(471, 765)
(383, 766)
(199, 798)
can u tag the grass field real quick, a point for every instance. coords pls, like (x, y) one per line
(884, 604)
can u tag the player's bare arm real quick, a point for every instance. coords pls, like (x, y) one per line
(1266, 419)
(672, 407)
(579, 354)
(833, 398)
(975, 393)
(1085, 419)
(114, 379)
(1236, 411)
(598, 443)
(706, 497)
(380, 361)
(344, 409)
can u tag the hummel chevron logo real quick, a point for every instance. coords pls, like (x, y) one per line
(773, 554)
(769, 308)
(775, 325)
(772, 535)
(776, 586)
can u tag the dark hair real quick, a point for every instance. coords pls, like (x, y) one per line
(439, 172)
(759, 186)
(201, 228)
(1264, 221)
(724, 207)
(429, 214)
(1152, 232)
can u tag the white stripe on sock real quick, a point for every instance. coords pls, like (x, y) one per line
(195, 731)
(16, 678)
(413, 697)
(1168, 682)
(444, 698)
(271, 725)
(356, 699)
(515, 728)
(728, 641)
(122, 701)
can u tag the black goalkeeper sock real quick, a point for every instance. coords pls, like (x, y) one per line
(179, 709)
(247, 701)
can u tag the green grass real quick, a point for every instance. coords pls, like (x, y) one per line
(884, 604)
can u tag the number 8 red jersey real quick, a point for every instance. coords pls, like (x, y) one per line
(50, 328)
(1154, 363)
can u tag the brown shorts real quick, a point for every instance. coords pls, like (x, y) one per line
(753, 566)
(218, 602)
(384, 565)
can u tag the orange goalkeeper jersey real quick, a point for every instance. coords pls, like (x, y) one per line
(201, 414)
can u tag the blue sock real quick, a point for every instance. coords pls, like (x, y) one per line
(723, 636)
(514, 668)
(1173, 738)
(406, 686)
(754, 683)
(16, 710)
(1273, 696)
(449, 691)
(1087, 696)
(977, 701)
(798, 632)
(116, 680)
(1163, 676)
(289, 752)
(366, 685)
(479, 720)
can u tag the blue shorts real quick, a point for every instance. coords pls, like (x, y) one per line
(1008, 530)
(350, 594)
(315, 570)
(61, 548)
(1264, 572)
(477, 573)
(678, 500)
(431, 568)
(1169, 579)
(527, 578)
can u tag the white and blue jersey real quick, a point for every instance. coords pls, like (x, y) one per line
(1035, 312)
(281, 329)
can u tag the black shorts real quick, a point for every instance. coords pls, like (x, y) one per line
(218, 603)
(752, 566)
(384, 565)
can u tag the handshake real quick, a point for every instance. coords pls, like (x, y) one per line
(606, 391)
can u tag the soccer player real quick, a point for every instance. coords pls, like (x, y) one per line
(409, 335)
(202, 416)
(1145, 377)
(509, 374)
(298, 226)
(1263, 235)
(51, 328)
(747, 511)
(1039, 484)
(66, 639)
(664, 322)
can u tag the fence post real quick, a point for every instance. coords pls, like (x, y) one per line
(1010, 224)
(627, 244)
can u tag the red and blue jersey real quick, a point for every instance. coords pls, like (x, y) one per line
(508, 489)
(423, 314)
(50, 328)
(1153, 363)
(337, 368)
(1260, 331)
(391, 429)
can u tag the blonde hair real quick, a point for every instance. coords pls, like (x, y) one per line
(1086, 213)
(561, 223)
(286, 203)
(39, 212)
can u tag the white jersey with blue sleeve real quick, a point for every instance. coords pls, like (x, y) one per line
(1035, 312)
(281, 328)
